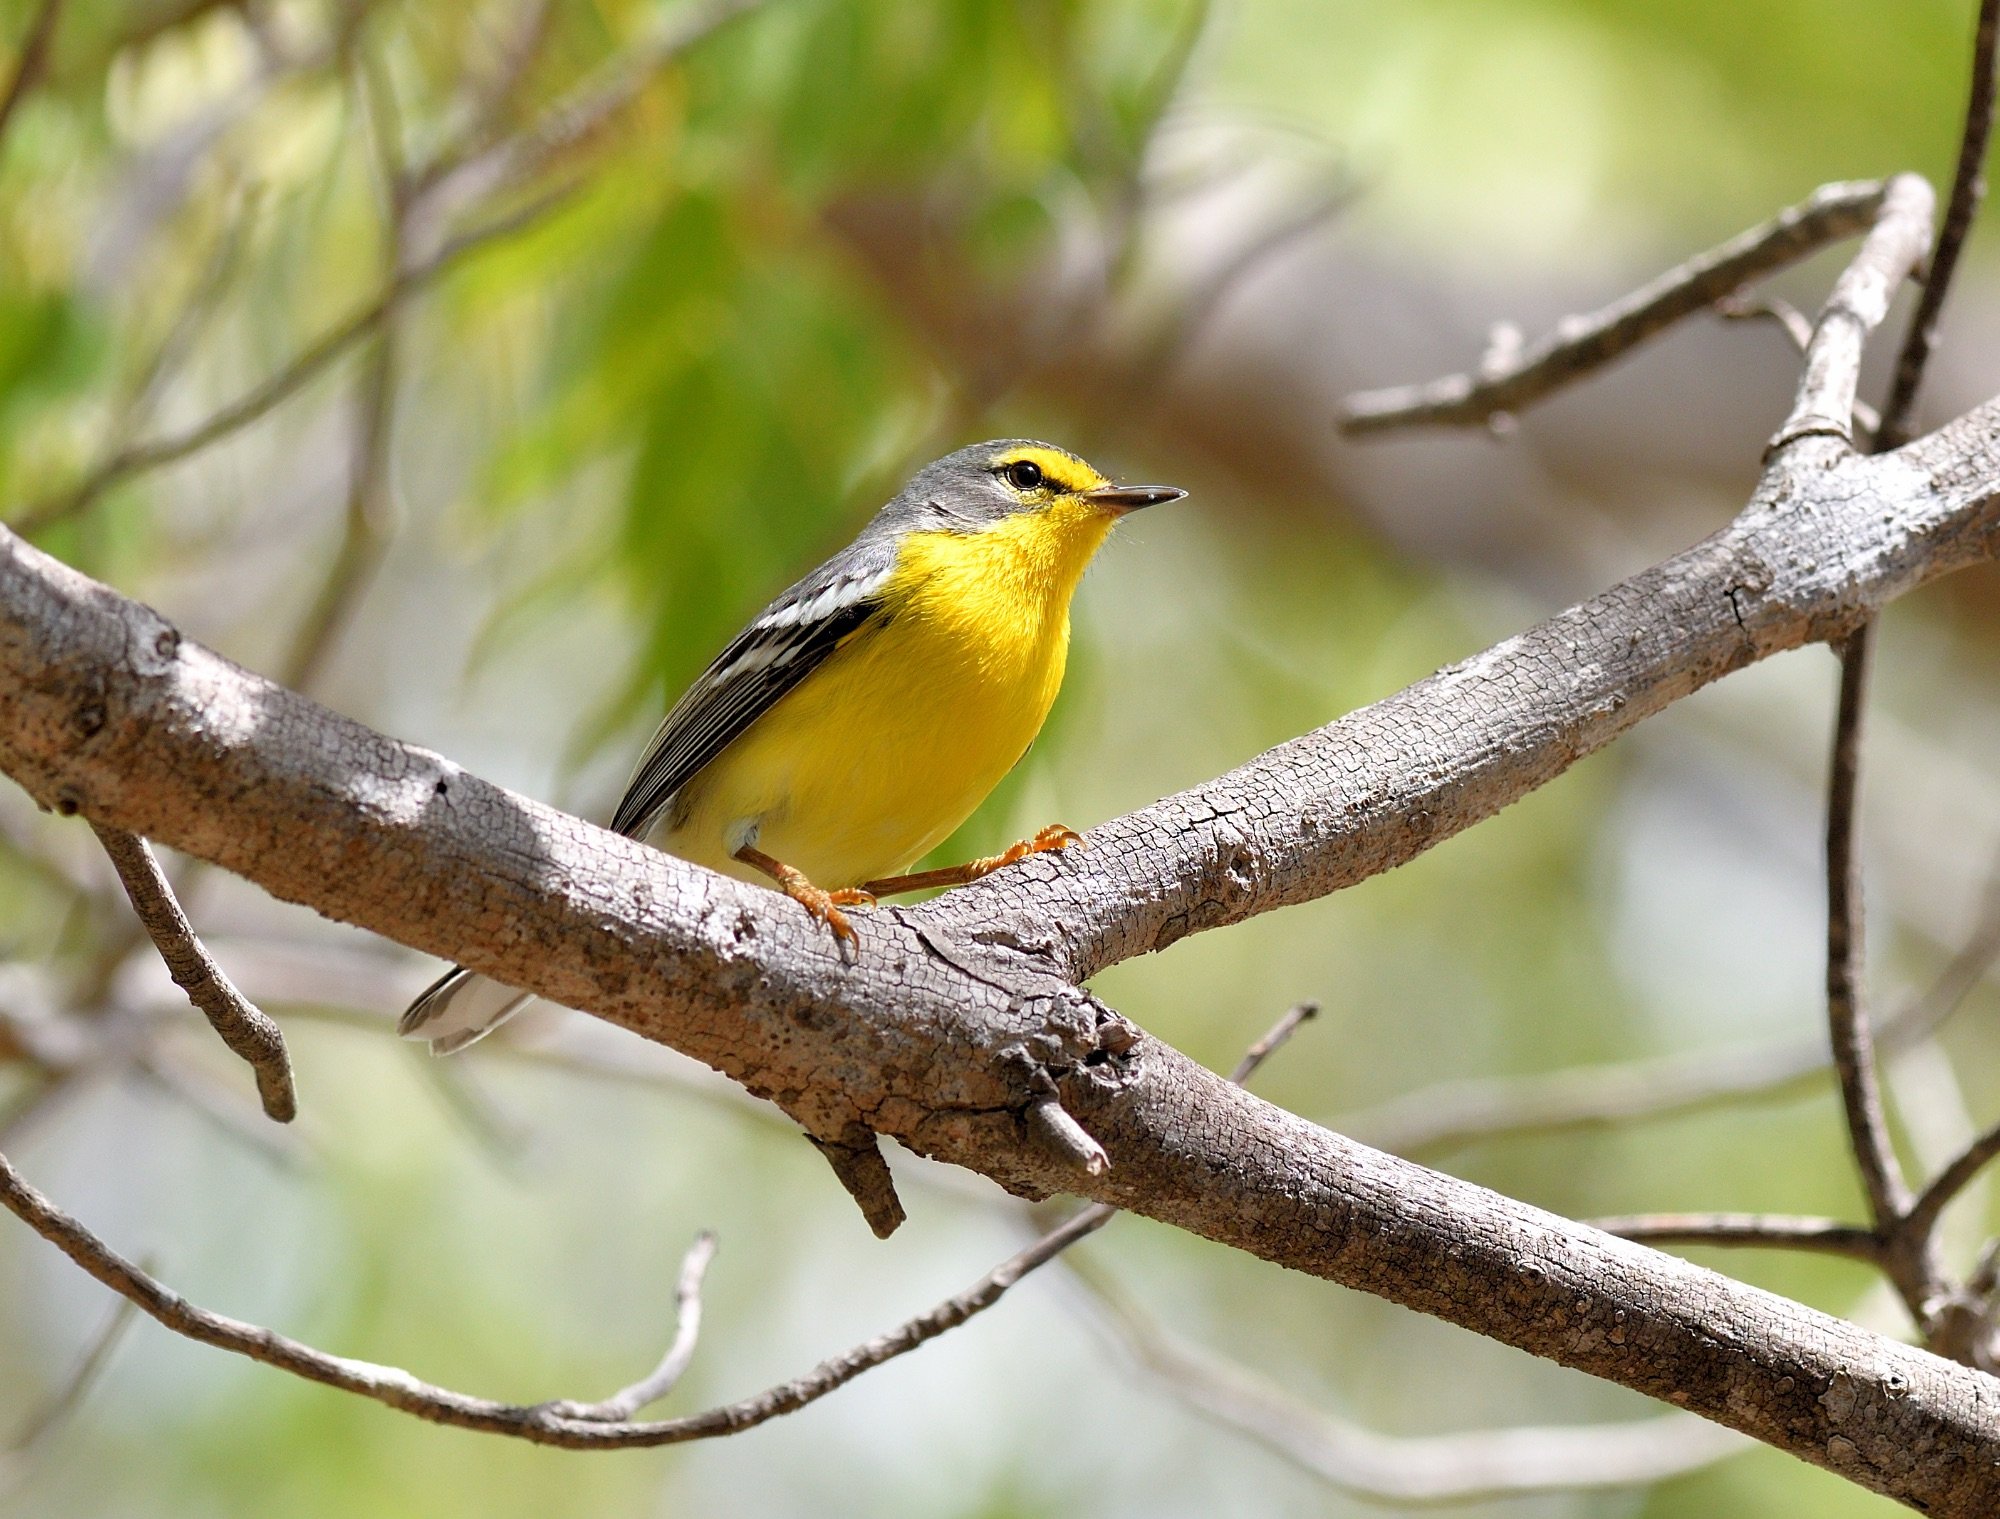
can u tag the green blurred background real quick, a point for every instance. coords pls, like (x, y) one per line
(710, 310)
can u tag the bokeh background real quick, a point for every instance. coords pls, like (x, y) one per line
(669, 328)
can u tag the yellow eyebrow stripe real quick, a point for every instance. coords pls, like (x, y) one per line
(1064, 471)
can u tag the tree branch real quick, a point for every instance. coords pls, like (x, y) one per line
(247, 1031)
(573, 1426)
(1968, 189)
(666, 1376)
(1893, 250)
(1580, 345)
(1774, 1231)
(1923, 1214)
(1852, 1040)
(1451, 1113)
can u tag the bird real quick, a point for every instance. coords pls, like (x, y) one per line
(858, 720)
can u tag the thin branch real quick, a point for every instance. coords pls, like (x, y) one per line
(1923, 1214)
(537, 1423)
(262, 398)
(1451, 1113)
(1416, 1470)
(1280, 1034)
(1968, 189)
(1852, 1039)
(247, 1031)
(365, 530)
(31, 63)
(1744, 307)
(579, 116)
(663, 1378)
(1580, 345)
(1772, 1231)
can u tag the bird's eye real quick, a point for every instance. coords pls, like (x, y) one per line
(1023, 474)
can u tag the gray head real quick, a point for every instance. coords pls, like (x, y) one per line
(987, 483)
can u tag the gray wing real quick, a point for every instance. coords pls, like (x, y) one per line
(785, 643)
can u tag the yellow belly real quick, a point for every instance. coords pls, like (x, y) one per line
(888, 746)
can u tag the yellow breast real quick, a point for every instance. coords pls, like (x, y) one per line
(887, 747)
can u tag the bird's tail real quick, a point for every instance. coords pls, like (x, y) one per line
(458, 1009)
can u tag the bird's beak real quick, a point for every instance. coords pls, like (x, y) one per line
(1129, 498)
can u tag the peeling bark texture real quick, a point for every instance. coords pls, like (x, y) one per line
(961, 1031)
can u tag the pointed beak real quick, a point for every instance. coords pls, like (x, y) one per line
(1129, 498)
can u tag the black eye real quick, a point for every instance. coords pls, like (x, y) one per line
(1023, 474)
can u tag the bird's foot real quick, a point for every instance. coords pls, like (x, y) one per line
(817, 900)
(1055, 836)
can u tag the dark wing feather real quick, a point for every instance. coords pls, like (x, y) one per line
(789, 640)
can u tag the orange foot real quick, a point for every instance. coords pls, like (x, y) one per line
(817, 900)
(1055, 836)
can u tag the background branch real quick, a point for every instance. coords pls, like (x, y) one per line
(1408, 1470)
(1580, 345)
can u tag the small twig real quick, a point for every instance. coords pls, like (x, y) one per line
(1051, 1123)
(537, 1423)
(1582, 344)
(31, 63)
(1775, 1231)
(1272, 1042)
(861, 1168)
(1923, 1214)
(663, 1378)
(247, 1031)
(1968, 188)
(1408, 1470)
(1744, 307)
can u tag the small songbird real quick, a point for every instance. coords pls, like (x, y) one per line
(863, 715)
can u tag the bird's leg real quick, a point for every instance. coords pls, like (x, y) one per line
(817, 900)
(1055, 836)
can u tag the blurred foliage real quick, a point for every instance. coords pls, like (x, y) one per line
(620, 427)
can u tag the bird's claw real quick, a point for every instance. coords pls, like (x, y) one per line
(1055, 836)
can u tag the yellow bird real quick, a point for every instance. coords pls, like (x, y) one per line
(863, 715)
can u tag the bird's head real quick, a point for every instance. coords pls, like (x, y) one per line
(1016, 481)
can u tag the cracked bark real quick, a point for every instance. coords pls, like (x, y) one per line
(105, 711)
